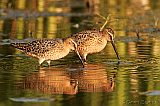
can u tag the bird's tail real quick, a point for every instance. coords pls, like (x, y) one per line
(21, 46)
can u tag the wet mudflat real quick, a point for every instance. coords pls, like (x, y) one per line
(134, 81)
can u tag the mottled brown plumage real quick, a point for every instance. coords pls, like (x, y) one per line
(47, 49)
(93, 41)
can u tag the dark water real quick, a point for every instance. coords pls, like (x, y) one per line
(134, 81)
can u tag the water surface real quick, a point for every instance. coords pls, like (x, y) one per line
(134, 81)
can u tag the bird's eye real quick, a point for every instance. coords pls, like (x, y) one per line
(111, 31)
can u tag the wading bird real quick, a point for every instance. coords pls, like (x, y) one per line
(93, 41)
(47, 49)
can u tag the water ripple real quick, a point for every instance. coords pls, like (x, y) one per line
(38, 99)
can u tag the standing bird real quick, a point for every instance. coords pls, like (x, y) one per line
(47, 49)
(93, 41)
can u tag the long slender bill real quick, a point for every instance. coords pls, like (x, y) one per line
(115, 49)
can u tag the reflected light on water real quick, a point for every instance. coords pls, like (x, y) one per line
(50, 81)
(137, 75)
(93, 78)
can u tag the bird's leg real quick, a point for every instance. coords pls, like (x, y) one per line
(80, 57)
(49, 63)
(76, 50)
(41, 61)
(39, 66)
(84, 56)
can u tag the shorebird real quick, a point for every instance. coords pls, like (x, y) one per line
(47, 49)
(93, 41)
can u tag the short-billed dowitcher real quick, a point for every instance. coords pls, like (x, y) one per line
(93, 41)
(47, 49)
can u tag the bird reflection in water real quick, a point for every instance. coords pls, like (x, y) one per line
(93, 78)
(50, 81)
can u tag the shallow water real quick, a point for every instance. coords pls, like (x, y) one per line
(133, 81)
